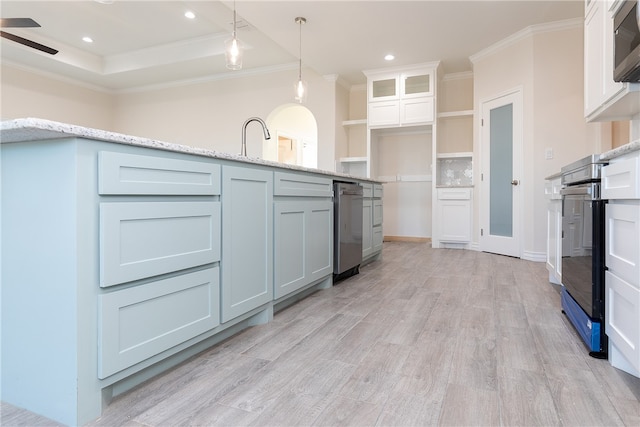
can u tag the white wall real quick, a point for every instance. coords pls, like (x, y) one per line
(548, 66)
(201, 114)
(27, 94)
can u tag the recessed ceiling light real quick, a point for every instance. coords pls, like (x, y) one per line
(87, 39)
(389, 57)
(189, 14)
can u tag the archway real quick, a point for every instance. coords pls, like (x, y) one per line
(294, 136)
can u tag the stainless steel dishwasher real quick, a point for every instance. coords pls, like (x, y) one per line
(347, 229)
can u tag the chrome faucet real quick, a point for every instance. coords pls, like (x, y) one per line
(243, 151)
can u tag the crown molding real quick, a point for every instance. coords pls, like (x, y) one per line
(58, 77)
(222, 76)
(458, 76)
(526, 33)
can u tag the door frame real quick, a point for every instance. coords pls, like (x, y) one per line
(512, 96)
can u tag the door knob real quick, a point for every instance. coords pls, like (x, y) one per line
(515, 182)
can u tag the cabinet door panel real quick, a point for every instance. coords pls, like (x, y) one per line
(622, 250)
(290, 249)
(367, 224)
(455, 221)
(139, 240)
(303, 244)
(377, 212)
(247, 241)
(384, 113)
(320, 239)
(377, 238)
(419, 110)
(621, 317)
(142, 321)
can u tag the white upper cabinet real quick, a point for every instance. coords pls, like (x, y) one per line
(417, 83)
(604, 99)
(401, 96)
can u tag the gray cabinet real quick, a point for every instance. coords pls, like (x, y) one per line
(142, 238)
(371, 221)
(303, 231)
(247, 240)
(145, 239)
(142, 321)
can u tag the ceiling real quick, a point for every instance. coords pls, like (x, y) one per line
(146, 43)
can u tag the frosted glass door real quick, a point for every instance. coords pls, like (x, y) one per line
(501, 153)
(501, 167)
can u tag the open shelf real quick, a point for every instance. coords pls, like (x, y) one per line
(461, 113)
(354, 122)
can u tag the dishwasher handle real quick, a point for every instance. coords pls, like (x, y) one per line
(351, 192)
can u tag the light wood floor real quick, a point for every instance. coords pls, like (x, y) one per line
(422, 337)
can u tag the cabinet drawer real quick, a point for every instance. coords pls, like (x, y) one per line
(142, 321)
(139, 240)
(377, 212)
(620, 180)
(418, 110)
(367, 191)
(622, 317)
(621, 244)
(454, 194)
(377, 191)
(121, 173)
(292, 184)
(384, 113)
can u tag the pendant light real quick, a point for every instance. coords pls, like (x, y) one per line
(301, 86)
(233, 47)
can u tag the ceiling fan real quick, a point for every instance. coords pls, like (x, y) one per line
(23, 23)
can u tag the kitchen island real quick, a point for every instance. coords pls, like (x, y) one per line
(123, 256)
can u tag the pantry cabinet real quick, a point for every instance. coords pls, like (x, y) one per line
(621, 185)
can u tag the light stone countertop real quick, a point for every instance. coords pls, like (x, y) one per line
(620, 151)
(33, 129)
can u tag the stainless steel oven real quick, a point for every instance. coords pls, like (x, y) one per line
(583, 253)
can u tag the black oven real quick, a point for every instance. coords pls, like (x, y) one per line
(583, 252)
(626, 42)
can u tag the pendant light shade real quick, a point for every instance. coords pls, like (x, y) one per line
(300, 87)
(233, 47)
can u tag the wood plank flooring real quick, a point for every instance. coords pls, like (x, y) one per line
(421, 337)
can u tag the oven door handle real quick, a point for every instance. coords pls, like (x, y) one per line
(577, 190)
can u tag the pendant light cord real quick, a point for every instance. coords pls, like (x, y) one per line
(234, 19)
(300, 54)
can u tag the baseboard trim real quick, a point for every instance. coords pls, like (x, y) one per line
(407, 239)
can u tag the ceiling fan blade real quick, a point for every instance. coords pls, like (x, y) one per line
(28, 42)
(18, 23)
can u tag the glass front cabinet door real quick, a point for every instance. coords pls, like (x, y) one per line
(416, 84)
(384, 88)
